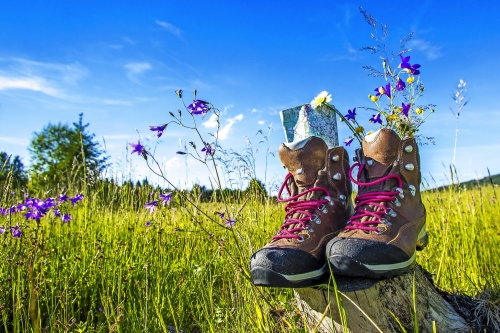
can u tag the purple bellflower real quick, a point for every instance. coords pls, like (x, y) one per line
(2, 230)
(77, 198)
(56, 212)
(384, 90)
(147, 224)
(158, 129)
(208, 149)
(376, 119)
(33, 214)
(198, 107)
(151, 206)
(230, 223)
(405, 64)
(165, 198)
(138, 148)
(400, 85)
(66, 218)
(350, 114)
(348, 141)
(16, 232)
(406, 109)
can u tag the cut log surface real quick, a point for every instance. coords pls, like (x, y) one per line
(377, 299)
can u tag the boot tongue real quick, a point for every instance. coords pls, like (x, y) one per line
(303, 160)
(380, 150)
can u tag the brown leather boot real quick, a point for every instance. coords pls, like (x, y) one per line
(389, 218)
(318, 207)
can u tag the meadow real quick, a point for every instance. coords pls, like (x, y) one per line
(117, 268)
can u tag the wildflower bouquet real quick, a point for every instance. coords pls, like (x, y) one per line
(394, 100)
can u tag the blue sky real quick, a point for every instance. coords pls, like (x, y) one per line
(119, 63)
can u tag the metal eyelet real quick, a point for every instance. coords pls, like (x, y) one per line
(316, 219)
(412, 189)
(300, 171)
(409, 167)
(392, 213)
(301, 239)
(385, 222)
(335, 158)
(408, 149)
(310, 229)
(323, 209)
(337, 176)
(343, 199)
(370, 162)
(330, 200)
(396, 202)
(400, 190)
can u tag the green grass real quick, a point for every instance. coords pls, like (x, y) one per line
(105, 271)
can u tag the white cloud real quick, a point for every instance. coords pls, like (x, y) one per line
(69, 73)
(254, 110)
(261, 122)
(15, 141)
(175, 163)
(115, 102)
(169, 27)
(135, 68)
(224, 132)
(431, 51)
(47, 78)
(29, 83)
(211, 122)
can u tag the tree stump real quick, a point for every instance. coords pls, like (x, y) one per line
(377, 299)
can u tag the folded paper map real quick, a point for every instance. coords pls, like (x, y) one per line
(303, 121)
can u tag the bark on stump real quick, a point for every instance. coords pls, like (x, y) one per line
(377, 299)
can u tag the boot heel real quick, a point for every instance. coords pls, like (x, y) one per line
(422, 242)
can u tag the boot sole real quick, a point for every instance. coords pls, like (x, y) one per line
(265, 277)
(352, 267)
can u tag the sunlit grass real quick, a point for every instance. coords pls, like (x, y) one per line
(106, 271)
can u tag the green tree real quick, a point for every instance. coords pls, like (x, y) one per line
(12, 170)
(64, 154)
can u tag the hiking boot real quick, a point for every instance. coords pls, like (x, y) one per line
(317, 209)
(388, 223)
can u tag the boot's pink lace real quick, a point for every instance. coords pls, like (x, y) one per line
(303, 207)
(373, 199)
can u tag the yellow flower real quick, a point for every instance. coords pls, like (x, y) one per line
(419, 111)
(381, 90)
(392, 117)
(323, 97)
(369, 132)
(410, 79)
(374, 98)
(359, 129)
(399, 109)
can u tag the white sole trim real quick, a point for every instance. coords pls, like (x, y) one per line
(390, 267)
(305, 276)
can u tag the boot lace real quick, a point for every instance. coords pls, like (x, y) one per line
(304, 207)
(373, 199)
